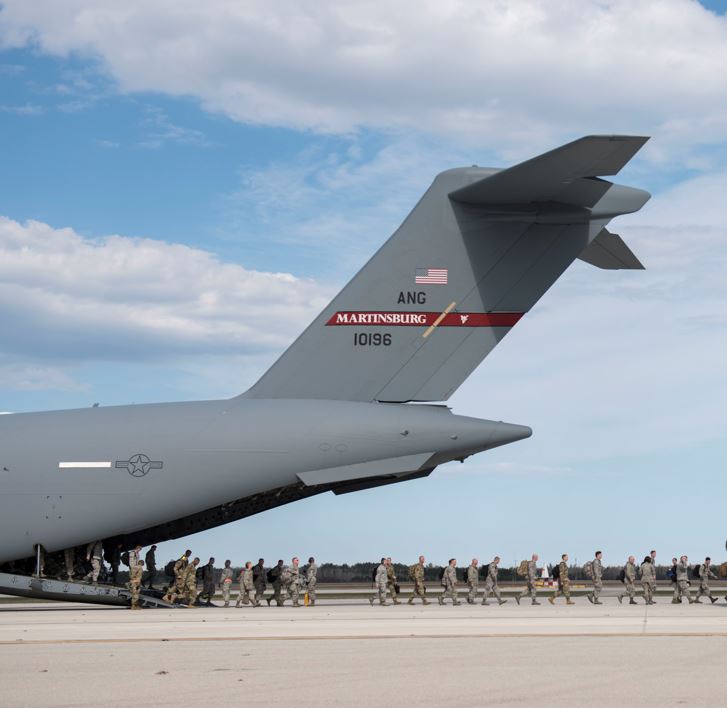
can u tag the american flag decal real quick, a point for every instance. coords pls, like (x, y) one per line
(431, 276)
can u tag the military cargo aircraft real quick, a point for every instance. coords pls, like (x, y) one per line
(357, 400)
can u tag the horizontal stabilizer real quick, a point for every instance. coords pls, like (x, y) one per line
(608, 251)
(564, 175)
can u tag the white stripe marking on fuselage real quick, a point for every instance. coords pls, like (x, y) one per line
(83, 465)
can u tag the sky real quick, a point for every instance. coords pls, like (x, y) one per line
(169, 168)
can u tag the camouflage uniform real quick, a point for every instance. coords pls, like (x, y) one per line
(311, 576)
(473, 583)
(190, 584)
(391, 583)
(530, 587)
(629, 581)
(417, 573)
(705, 573)
(208, 583)
(151, 567)
(133, 558)
(258, 579)
(247, 589)
(648, 581)
(226, 583)
(276, 572)
(491, 586)
(683, 582)
(293, 586)
(449, 582)
(95, 551)
(563, 585)
(380, 581)
(597, 570)
(135, 574)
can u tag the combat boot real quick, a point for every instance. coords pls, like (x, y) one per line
(551, 600)
(410, 601)
(456, 602)
(534, 602)
(697, 602)
(713, 599)
(501, 602)
(517, 599)
(440, 600)
(620, 599)
(371, 601)
(676, 602)
(383, 603)
(633, 602)
(589, 597)
(569, 602)
(484, 602)
(394, 600)
(269, 599)
(426, 602)
(597, 602)
(227, 604)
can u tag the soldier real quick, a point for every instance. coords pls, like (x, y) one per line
(491, 586)
(311, 576)
(530, 580)
(190, 582)
(563, 582)
(226, 582)
(94, 552)
(247, 587)
(114, 560)
(136, 573)
(258, 579)
(69, 558)
(177, 586)
(380, 581)
(597, 574)
(292, 582)
(648, 578)
(151, 566)
(705, 573)
(416, 573)
(473, 581)
(683, 580)
(672, 574)
(629, 580)
(208, 582)
(134, 556)
(449, 583)
(274, 576)
(391, 584)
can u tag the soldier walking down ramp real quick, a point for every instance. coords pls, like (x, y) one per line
(416, 573)
(563, 582)
(449, 583)
(258, 579)
(177, 586)
(629, 581)
(705, 573)
(274, 578)
(491, 586)
(473, 581)
(226, 582)
(391, 584)
(683, 580)
(380, 580)
(136, 572)
(94, 553)
(530, 580)
(597, 576)
(648, 580)
(190, 582)
(151, 566)
(247, 587)
(311, 576)
(208, 582)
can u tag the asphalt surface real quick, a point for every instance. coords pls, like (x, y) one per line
(344, 653)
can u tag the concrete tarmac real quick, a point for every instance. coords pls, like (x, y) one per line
(344, 653)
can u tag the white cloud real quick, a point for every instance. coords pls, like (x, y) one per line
(527, 72)
(27, 109)
(68, 298)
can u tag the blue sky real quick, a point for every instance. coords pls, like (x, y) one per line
(161, 168)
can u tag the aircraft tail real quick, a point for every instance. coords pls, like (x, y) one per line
(475, 254)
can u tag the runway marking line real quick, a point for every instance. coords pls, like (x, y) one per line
(506, 635)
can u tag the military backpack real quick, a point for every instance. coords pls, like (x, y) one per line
(286, 576)
(522, 569)
(125, 558)
(622, 575)
(169, 569)
(697, 571)
(588, 569)
(412, 571)
(556, 572)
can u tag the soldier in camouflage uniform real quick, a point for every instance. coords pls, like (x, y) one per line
(416, 573)
(380, 581)
(449, 583)
(391, 583)
(177, 586)
(292, 584)
(188, 576)
(134, 555)
(275, 574)
(648, 579)
(311, 580)
(531, 578)
(136, 573)
(705, 573)
(491, 586)
(208, 582)
(597, 576)
(629, 581)
(563, 582)
(683, 580)
(226, 582)
(94, 553)
(247, 587)
(258, 579)
(473, 581)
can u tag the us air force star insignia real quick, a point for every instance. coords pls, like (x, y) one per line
(138, 465)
